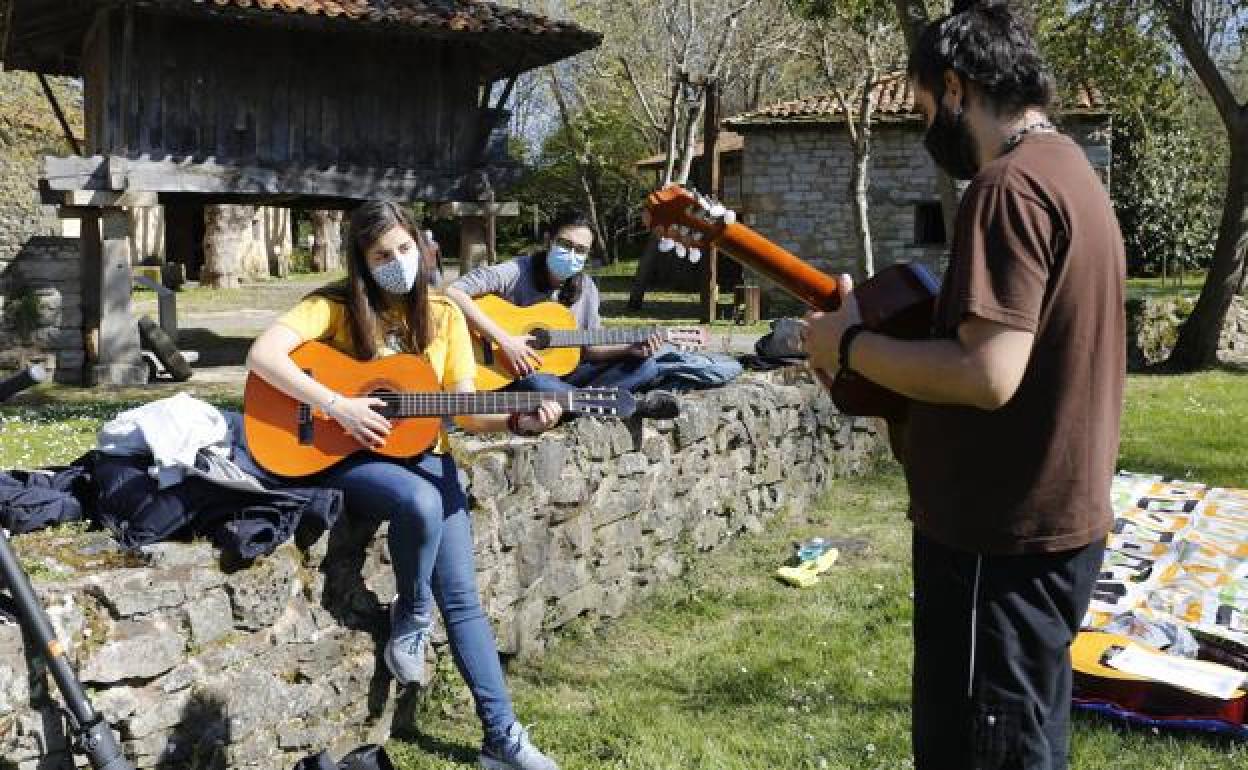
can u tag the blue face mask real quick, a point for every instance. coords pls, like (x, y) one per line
(399, 275)
(563, 262)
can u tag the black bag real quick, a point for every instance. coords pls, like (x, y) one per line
(370, 756)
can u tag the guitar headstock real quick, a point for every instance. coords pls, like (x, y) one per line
(602, 402)
(686, 337)
(685, 221)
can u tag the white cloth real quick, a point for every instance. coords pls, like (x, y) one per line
(173, 430)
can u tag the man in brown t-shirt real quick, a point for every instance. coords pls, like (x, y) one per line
(1013, 432)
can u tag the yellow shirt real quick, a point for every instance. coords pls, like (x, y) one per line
(449, 351)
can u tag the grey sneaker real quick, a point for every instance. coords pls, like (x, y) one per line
(517, 752)
(405, 652)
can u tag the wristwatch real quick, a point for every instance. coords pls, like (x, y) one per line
(847, 341)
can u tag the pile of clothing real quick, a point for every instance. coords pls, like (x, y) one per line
(174, 468)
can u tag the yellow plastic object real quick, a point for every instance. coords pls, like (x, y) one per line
(807, 573)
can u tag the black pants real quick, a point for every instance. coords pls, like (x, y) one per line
(991, 655)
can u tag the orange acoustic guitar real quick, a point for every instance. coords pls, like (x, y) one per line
(557, 340)
(290, 438)
(897, 300)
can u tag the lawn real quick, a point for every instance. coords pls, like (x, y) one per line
(729, 669)
(1155, 287)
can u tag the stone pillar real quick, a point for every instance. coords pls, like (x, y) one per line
(110, 333)
(474, 246)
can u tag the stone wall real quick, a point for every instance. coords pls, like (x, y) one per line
(1153, 328)
(198, 667)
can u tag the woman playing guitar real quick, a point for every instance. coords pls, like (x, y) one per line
(383, 307)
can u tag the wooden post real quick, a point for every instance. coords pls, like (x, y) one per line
(711, 185)
(110, 334)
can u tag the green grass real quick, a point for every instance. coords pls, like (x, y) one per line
(1154, 287)
(259, 295)
(615, 281)
(726, 668)
(1188, 426)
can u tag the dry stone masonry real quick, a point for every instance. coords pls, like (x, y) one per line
(198, 666)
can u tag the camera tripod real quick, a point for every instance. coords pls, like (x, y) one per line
(91, 734)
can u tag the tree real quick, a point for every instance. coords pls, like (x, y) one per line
(1211, 34)
(224, 226)
(858, 44)
(326, 240)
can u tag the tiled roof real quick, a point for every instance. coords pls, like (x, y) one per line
(894, 101)
(729, 141)
(512, 40)
(450, 15)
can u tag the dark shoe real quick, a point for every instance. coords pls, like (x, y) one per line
(657, 405)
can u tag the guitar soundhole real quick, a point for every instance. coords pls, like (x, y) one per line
(391, 409)
(541, 338)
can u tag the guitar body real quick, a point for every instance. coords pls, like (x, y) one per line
(290, 439)
(492, 373)
(1095, 681)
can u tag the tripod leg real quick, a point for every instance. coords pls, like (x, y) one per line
(92, 735)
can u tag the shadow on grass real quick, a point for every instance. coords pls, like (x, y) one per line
(1165, 369)
(436, 747)
(215, 349)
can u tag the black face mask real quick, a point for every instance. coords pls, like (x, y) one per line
(951, 144)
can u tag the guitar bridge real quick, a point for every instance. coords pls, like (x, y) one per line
(304, 421)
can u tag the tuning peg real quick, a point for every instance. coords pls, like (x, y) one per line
(729, 216)
(716, 209)
(695, 255)
(666, 244)
(680, 250)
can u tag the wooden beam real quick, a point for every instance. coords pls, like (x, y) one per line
(143, 174)
(478, 209)
(711, 183)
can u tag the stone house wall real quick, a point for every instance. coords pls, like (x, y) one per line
(795, 191)
(196, 667)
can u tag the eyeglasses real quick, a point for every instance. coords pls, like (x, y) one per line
(579, 248)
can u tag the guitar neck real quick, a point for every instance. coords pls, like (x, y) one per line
(814, 287)
(618, 336)
(449, 404)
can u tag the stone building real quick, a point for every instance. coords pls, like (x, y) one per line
(795, 170)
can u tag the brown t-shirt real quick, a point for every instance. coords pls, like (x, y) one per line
(1036, 247)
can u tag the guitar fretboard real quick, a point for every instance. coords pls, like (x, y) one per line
(446, 404)
(625, 336)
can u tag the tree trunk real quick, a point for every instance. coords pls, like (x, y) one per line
(913, 17)
(225, 228)
(645, 269)
(1197, 346)
(862, 221)
(327, 240)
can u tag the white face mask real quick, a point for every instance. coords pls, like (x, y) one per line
(399, 275)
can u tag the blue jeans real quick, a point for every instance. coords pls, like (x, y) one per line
(628, 373)
(431, 548)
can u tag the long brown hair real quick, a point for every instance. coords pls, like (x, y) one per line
(364, 299)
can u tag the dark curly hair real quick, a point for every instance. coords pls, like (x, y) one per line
(987, 44)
